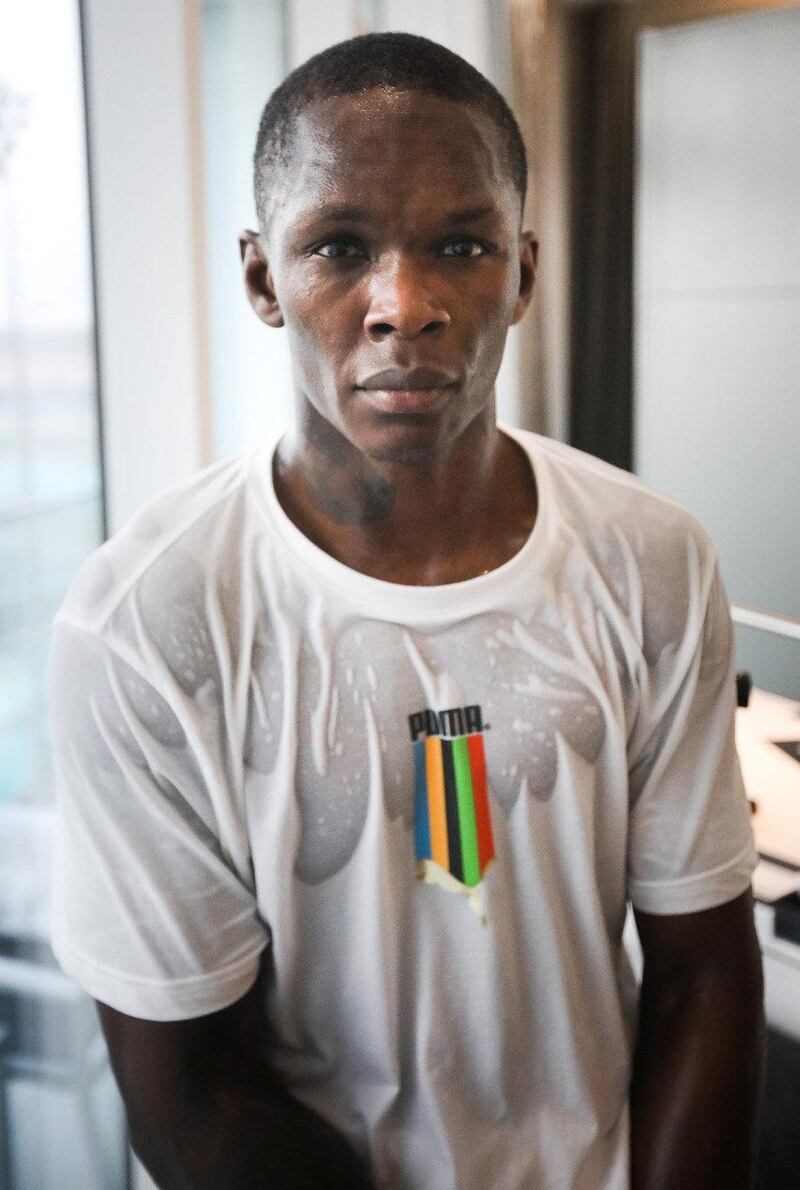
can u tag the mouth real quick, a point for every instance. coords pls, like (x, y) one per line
(407, 390)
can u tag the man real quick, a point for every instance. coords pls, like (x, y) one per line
(366, 742)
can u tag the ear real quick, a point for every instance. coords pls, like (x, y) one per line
(258, 278)
(528, 255)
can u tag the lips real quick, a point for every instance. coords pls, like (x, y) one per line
(407, 390)
(407, 380)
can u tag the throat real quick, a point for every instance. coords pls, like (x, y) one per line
(411, 524)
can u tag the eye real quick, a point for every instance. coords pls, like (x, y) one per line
(464, 247)
(338, 249)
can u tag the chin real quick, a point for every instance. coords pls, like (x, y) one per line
(405, 454)
(406, 445)
(409, 438)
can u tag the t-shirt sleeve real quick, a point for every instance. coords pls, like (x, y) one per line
(690, 838)
(154, 911)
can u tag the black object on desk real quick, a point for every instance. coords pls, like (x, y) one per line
(790, 746)
(787, 918)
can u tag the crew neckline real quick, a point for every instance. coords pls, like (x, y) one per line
(401, 601)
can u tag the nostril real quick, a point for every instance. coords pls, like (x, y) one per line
(381, 328)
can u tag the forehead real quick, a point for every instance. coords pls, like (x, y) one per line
(381, 143)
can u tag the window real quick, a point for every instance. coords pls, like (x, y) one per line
(50, 473)
(54, 1077)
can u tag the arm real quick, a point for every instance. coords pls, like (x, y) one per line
(206, 1113)
(697, 1063)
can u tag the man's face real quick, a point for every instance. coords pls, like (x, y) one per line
(395, 261)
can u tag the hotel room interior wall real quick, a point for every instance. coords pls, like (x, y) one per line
(244, 47)
(147, 184)
(718, 299)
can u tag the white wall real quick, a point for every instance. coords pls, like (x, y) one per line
(147, 186)
(718, 299)
(465, 26)
(244, 59)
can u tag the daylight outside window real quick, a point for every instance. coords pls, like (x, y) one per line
(54, 1079)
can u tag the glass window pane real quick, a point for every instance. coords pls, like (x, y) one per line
(50, 475)
(55, 1082)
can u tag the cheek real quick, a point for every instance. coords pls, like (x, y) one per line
(493, 296)
(313, 342)
(321, 321)
(486, 320)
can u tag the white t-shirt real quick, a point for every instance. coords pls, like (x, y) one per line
(260, 748)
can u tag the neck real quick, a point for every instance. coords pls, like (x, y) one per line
(443, 518)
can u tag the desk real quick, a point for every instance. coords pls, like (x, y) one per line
(771, 777)
(772, 780)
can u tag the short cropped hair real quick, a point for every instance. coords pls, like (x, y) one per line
(400, 61)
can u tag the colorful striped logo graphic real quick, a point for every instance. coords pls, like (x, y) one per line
(452, 824)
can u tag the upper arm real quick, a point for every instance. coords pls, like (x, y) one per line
(206, 1111)
(155, 908)
(163, 1068)
(717, 943)
(690, 842)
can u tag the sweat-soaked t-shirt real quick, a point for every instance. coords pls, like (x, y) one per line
(425, 808)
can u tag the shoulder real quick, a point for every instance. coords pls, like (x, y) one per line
(154, 611)
(599, 498)
(651, 555)
(602, 496)
(183, 538)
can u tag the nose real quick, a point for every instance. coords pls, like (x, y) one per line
(403, 301)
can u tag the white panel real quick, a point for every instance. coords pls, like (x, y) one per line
(426, 18)
(314, 25)
(462, 25)
(720, 176)
(722, 399)
(718, 293)
(149, 284)
(243, 43)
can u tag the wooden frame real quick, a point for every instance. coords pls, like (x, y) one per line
(674, 12)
